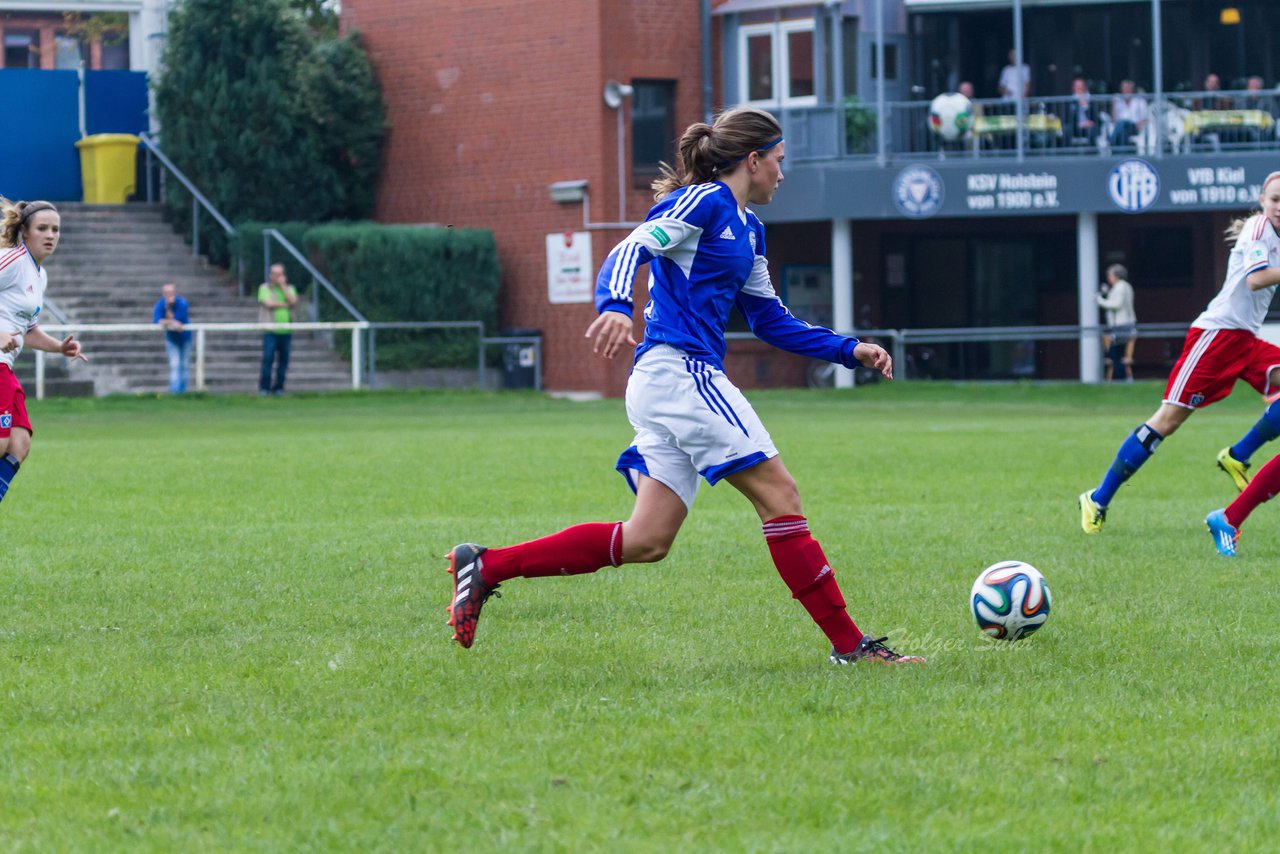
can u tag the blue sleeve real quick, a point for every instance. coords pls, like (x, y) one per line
(772, 323)
(182, 311)
(613, 284)
(158, 313)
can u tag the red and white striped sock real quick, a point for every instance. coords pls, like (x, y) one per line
(808, 574)
(573, 551)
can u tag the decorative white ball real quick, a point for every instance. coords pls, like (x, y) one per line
(1010, 600)
(951, 115)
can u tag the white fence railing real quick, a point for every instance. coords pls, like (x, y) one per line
(363, 344)
(200, 332)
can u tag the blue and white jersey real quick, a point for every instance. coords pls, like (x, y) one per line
(705, 256)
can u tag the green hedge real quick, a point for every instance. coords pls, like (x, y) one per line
(392, 273)
(413, 273)
(249, 246)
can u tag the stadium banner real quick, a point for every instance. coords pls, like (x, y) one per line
(951, 188)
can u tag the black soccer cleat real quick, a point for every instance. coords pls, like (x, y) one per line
(469, 591)
(873, 649)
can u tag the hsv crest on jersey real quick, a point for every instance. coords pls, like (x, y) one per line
(6, 421)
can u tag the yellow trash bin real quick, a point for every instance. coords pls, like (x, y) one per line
(108, 167)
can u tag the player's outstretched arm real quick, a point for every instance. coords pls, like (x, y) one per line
(611, 330)
(874, 356)
(38, 339)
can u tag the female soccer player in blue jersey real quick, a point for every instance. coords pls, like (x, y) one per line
(706, 255)
(29, 232)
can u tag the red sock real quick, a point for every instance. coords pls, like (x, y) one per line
(805, 569)
(1264, 486)
(573, 551)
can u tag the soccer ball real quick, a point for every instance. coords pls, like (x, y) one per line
(1010, 600)
(950, 115)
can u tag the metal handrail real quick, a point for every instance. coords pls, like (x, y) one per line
(197, 200)
(272, 233)
(58, 314)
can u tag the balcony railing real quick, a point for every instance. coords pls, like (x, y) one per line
(1178, 124)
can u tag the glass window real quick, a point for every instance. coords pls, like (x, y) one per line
(653, 128)
(777, 64)
(69, 52)
(758, 50)
(849, 44)
(115, 52)
(800, 82)
(890, 62)
(21, 48)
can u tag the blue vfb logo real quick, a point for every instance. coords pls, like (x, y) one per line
(1133, 185)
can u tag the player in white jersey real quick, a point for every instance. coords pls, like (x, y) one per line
(705, 253)
(1221, 347)
(29, 233)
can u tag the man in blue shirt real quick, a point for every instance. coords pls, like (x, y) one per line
(173, 314)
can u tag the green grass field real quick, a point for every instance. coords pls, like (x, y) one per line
(222, 628)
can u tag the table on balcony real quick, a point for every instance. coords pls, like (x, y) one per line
(1045, 129)
(1236, 125)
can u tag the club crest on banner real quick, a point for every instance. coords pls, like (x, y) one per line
(1134, 185)
(917, 191)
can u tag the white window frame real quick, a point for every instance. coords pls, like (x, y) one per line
(779, 54)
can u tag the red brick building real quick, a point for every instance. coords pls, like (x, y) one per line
(491, 103)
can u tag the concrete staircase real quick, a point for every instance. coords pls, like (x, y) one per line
(109, 268)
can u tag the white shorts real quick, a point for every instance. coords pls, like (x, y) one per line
(690, 422)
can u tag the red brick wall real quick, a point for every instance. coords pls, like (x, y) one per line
(490, 102)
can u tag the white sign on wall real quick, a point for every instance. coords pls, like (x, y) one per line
(570, 274)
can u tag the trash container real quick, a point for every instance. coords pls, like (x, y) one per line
(108, 167)
(520, 359)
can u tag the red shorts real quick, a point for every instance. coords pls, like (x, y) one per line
(13, 403)
(1211, 362)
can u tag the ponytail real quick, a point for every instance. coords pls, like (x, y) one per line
(708, 151)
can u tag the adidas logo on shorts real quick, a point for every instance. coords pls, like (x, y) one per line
(727, 234)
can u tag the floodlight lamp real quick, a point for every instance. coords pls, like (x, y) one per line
(1229, 16)
(615, 92)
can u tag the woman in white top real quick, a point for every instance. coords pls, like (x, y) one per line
(1122, 323)
(1221, 347)
(29, 232)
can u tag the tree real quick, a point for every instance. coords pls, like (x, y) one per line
(269, 121)
(321, 15)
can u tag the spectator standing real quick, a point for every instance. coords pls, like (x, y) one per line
(173, 313)
(1129, 112)
(1116, 297)
(1014, 78)
(276, 299)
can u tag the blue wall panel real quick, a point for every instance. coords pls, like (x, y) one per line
(38, 156)
(115, 102)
